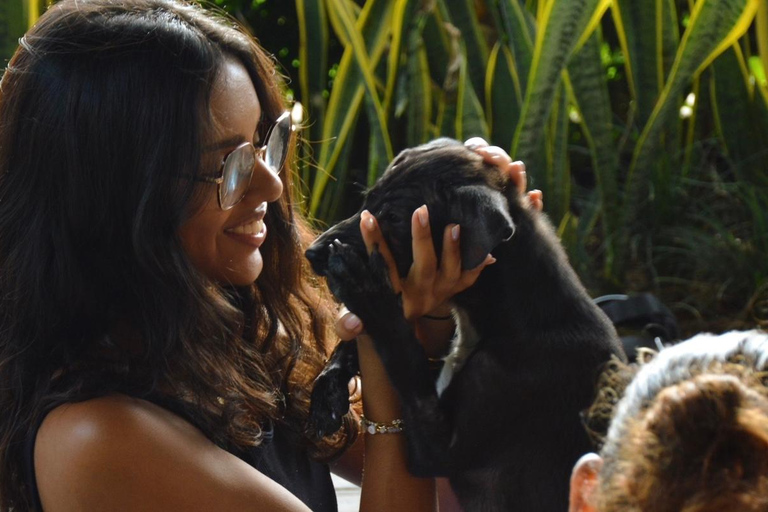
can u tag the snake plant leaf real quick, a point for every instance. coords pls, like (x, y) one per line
(377, 116)
(557, 184)
(463, 15)
(648, 36)
(518, 31)
(589, 91)
(470, 118)
(738, 113)
(313, 55)
(762, 41)
(346, 100)
(593, 23)
(401, 21)
(437, 41)
(561, 25)
(13, 24)
(713, 27)
(503, 96)
(419, 88)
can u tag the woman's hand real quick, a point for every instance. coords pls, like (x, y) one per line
(427, 288)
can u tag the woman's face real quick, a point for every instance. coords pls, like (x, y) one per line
(224, 245)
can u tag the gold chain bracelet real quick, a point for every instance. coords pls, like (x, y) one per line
(375, 427)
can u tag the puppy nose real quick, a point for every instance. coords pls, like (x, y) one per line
(318, 258)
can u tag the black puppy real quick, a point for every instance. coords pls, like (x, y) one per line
(503, 421)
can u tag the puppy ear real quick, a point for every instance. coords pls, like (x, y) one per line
(485, 222)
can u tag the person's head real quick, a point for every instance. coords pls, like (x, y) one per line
(115, 115)
(688, 431)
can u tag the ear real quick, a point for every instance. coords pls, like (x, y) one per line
(485, 222)
(584, 480)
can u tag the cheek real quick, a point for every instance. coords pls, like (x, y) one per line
(200, 237)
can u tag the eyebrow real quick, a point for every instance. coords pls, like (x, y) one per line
(233, 141)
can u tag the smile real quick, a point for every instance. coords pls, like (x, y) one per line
(251, 233)
(252, 228)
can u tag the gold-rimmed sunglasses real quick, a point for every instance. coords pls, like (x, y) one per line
(237, 167)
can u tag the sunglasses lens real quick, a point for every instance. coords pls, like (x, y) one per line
(277, 145)
(238, 170)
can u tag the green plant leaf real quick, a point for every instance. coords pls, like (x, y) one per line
(13, 24)
(313, 54)
(589, 90)
(649, 37)
(739, 116)
(560, 26)
(557, 186)
(503, 96)
(713, 24)
(345, 102)
(401, 21)
(470, 118)
(518, 32)
(419, 89)
(462, 15)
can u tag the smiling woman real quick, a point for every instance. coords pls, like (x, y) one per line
(132, 317)
(159, 329)
(222, 238)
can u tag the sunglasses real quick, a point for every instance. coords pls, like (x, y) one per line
(237, 166)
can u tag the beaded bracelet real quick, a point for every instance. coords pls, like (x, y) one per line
(375, 427)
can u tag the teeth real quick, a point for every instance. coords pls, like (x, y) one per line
(252, 228)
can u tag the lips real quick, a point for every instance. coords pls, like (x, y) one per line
(251, 230)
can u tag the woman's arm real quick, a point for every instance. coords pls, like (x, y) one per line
(119, 453)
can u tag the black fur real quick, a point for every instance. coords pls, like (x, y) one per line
(506, 430)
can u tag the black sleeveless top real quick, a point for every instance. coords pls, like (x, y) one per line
(280, 457)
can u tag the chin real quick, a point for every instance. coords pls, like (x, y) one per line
(244, 274)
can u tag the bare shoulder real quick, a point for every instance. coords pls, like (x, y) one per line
(122, 453)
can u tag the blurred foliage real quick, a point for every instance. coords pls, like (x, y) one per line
(645, 123)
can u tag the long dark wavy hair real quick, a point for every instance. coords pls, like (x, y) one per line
(102, 108)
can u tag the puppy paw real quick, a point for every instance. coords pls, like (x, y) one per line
(329, 402)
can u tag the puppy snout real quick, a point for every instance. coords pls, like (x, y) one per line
(318, 258)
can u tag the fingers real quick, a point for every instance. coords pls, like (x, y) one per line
(348, 326)
(450, 261)
(536, 199)
(516, 173)
(475, 142)
(372, 237)
(468, 277)
(424, 266)
(494, 155)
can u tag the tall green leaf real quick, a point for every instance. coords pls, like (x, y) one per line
(464, 17)
(503, 96)
(419, 87)
(738, 116)
(313, 55)
(713, 27)
(558, 176)
(518, 34)
(470, 118)
(346, 100)
(560, 26)
(13, 24)
(648, 35)
(593, 103)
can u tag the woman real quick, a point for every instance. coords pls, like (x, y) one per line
(160, 330)
(690, 433)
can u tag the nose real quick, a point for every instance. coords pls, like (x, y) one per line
(265, 184)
